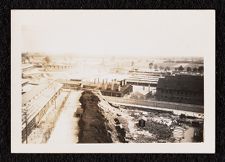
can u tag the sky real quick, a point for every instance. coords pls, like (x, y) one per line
(116, 32)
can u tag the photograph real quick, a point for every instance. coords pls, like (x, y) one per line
(113, 81)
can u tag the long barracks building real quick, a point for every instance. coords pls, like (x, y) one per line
(36, 103)
(181, 88)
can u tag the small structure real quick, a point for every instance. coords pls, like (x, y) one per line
(116, 90)
(141, 121)
(71, 84)
(79, 112)
(144, 78)
(57, 67)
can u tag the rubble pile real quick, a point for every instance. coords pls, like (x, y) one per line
(161, 131)
(122, 124)
(117, 120)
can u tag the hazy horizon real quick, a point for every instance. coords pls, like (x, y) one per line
(116, 33)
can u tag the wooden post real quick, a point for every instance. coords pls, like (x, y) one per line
(26, 126)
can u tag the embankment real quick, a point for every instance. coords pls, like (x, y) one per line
(92, 124)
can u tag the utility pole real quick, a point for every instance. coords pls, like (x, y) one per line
(25, 118)
(55, 97)
(26, 125)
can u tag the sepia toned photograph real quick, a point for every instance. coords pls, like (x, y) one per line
(70, 99)
(132, 79)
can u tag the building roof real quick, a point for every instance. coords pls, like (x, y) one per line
(28, 87)
(116, 87)
(70, 82)
(24, 81)
(123, 88)
(27, 97)
(146, 72)
(40, 101)
(25, 66)
(182, 83)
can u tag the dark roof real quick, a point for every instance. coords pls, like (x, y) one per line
(116, 87)
(182, 82)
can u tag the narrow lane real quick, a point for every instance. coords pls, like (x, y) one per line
(66, 129)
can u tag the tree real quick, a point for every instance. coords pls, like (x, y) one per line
(155, 66)
(200, 69)
(167, 68)
(161, 67)
(195, 70)
(26, 58)
(180, 68)
(189, 69)
(47, 59)
(150, 65)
